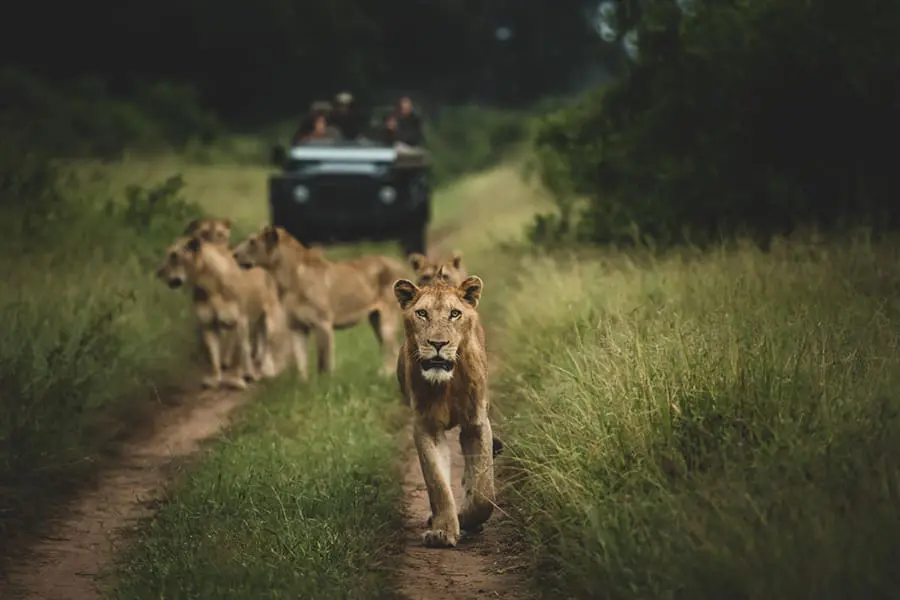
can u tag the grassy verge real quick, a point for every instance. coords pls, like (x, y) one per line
(88, 333)
(722, 425)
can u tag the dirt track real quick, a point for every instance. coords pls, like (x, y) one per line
(65, 564)
(481, 566)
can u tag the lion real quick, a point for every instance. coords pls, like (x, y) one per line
(217, 231)
(320, 296)
(427, 269)
(442, 370)
(227, 300)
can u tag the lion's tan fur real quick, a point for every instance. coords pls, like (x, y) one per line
(441, 321)
(217, 231)
(428, 269)
(227, 300)
(320, 295)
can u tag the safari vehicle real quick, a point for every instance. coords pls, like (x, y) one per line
(350, 191)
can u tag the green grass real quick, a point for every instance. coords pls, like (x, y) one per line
(720, 425)
(299, 500)
(88, 337)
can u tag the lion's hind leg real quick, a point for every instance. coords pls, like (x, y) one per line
(384, 324)
(434, 459)
(478, 476)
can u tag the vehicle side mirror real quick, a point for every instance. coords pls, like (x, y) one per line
(278, 156)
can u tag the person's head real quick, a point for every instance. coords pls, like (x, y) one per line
(406, 105)
(320, 123)
(342, 101)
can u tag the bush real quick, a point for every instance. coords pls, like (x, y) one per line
(89, 332)
(82, 118)
(715, 426)
(463, 139)
(760, 117)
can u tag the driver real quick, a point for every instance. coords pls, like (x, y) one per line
(343, 116)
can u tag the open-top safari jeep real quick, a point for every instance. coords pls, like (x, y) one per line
(350, 191)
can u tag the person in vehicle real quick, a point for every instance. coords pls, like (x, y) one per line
(389, 129)
(409, 124)
(321, 130)
(308, 125)
(344, 118)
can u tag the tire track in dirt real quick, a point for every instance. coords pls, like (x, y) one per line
(65, 563)
(484, 565)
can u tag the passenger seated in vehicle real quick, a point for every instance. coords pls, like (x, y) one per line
(321, 130)
(409, 124)
(307, 126)
(389, 130)
(344, 118)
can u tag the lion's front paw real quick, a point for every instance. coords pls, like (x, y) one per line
(438, 538)
(210, 382)
(236, 383)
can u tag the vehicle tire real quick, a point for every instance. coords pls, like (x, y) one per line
(415, 241)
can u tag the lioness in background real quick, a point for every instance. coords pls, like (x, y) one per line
(320, 295)
(226, 299)
(217, 231)
(427, 269)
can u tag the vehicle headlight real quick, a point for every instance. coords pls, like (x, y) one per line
(387, 194)
(301, 194)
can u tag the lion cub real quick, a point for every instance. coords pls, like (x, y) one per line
(428, 269)
(226, 299)
(442, 372)
(320, 296)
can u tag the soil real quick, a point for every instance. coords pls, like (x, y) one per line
(66, 563)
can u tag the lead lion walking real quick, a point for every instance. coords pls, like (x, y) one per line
(442, 372)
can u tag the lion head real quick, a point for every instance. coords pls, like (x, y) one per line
(180, 264)
(439, 319)
(217, 231)
(428, 270)
(263, 248)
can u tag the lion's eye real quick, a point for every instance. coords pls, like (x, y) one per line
(421, 314)
(455, 314)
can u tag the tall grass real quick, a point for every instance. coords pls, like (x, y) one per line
(722, 425)
(88, 332)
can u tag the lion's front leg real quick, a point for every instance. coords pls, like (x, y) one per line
(213, 345)
(245, 348)
(478, 476)
(434, 459)
(325, 347)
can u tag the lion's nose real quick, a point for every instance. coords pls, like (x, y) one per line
(437, 345)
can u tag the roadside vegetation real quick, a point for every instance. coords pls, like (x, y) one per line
(700, 382)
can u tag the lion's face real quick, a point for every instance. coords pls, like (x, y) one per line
(428, 270)
(260, 249)
(438, 318)
(216, 231)
(179, 264)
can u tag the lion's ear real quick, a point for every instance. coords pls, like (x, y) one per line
(456, 259)
(270, 236)
(416, 260)
(227, 223)
(405, 291)
(471, 290)
(193, 244)
(192, 226)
